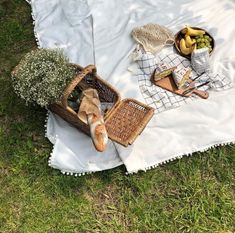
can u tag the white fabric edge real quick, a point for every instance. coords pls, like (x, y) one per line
(34, 24)
(175, 157)
(66, 172)
(181, 155)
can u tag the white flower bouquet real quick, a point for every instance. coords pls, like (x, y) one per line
(41, 76)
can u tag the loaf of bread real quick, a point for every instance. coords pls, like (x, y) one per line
(163, 70)
(98, 132)
(181, 76)
(90, 113)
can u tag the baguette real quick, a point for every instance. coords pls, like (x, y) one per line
(90, 113)
(98, 132)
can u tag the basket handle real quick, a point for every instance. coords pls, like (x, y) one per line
(90, 69)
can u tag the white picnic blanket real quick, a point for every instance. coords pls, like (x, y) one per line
(98, 32)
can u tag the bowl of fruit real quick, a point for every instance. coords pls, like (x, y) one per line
(190, 38)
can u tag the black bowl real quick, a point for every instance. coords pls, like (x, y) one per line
(179, 35)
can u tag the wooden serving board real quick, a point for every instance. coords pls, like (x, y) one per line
(168, 84)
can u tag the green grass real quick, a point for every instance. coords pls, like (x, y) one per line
(194, 194)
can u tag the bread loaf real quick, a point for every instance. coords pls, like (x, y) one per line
(162, 70)
(181, 76)
(98, 132)
(90, 113)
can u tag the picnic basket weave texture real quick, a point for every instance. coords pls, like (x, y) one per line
(124, 121)
(85, 78)
(127, 121)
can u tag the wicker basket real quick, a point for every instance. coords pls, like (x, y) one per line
(124, 121)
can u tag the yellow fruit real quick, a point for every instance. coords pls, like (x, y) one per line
(189, 41)
(194, 32)
(194, 47)
(185, 50)
(184, 30)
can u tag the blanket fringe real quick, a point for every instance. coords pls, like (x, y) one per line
(53, 139)
(177, 157)
(76, 174)
(34, 28)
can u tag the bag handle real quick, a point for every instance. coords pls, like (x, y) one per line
(90, 69)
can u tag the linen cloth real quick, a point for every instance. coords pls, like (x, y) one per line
(100, 34)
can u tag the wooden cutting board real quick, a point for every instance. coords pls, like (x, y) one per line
(168, 84)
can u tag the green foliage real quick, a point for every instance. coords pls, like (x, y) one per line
(195, 194)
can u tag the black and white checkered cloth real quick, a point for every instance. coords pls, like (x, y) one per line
(161, 99)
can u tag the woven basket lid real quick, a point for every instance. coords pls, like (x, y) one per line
(127, 121)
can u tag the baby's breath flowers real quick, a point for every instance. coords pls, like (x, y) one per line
(42, 75)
